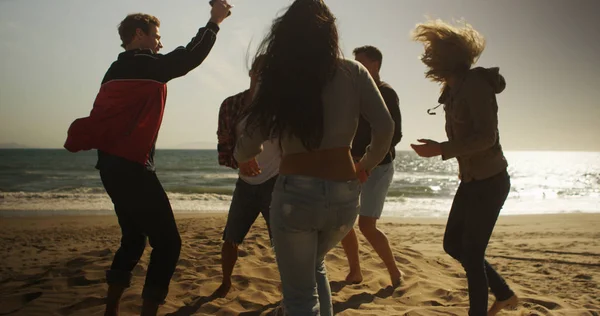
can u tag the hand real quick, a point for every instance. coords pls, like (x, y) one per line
(249, 168)
(220, 10)
(429, 148)
(361, 173)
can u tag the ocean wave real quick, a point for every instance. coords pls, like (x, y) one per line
(85, 201)
(99, 193)
(419, 191)
(67, 192)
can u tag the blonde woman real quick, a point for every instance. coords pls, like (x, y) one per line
(469, 99)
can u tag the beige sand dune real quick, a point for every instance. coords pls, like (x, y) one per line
(55, 266)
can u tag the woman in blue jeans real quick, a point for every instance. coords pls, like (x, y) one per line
(310, 99)
(469, 99)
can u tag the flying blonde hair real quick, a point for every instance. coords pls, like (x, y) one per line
(448, 49)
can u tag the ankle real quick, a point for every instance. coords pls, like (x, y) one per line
(113, 298)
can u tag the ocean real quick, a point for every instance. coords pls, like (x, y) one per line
(56, 182)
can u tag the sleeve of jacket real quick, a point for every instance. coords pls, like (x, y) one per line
(183, 59)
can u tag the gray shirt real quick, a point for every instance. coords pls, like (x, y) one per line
(351, 93)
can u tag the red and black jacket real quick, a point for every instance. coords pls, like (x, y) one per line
(127, 113)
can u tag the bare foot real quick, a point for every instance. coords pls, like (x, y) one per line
(396, 278)
(354, 278)
(222, 290)
(510, 303)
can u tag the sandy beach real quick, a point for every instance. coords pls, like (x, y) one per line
(55, 266)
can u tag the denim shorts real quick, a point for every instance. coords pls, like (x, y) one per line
(248, 201)
(375, 190)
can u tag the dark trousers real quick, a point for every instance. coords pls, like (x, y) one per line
(143, 211)
(248, 201)
(472, 218)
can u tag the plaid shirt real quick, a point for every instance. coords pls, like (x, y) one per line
(228, 118)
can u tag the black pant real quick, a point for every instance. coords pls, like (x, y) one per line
(474, 212)
(143, 210)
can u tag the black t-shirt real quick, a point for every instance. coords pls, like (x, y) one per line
(363, 131)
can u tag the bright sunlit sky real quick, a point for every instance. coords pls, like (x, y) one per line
(55, 53)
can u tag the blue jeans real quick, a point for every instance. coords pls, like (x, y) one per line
(309, 216)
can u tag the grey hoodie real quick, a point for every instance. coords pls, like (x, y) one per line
(472, 124)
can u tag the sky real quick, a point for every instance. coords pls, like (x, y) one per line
(55, 53)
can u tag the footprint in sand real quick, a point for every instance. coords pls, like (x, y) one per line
(99, 253)
(240, 282)
(16, 302)
(431, 303)
(583, 277)
(185, 263)
(81, 280)
(78, 262)
(402, 260)
(86, 303)
(546, 304)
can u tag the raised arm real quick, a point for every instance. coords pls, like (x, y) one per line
(183, 59)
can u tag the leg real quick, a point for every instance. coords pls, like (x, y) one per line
(327, 239)
(296, 207)
(372, 200)
(342, 213)
(158, 222)
(380, 243)
(505, 297)
(456, 223)
(488, 197)
(242, 214)
(497, 284)
(119, 187)
(350, 244)
(119, 275)
(323, 289)
(113, 298)
(296, 256)
(229, 255)
(265, 192)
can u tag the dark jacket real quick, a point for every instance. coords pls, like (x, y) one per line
(125, 121)
(472, 124)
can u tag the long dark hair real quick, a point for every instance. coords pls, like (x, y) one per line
(301, 54)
